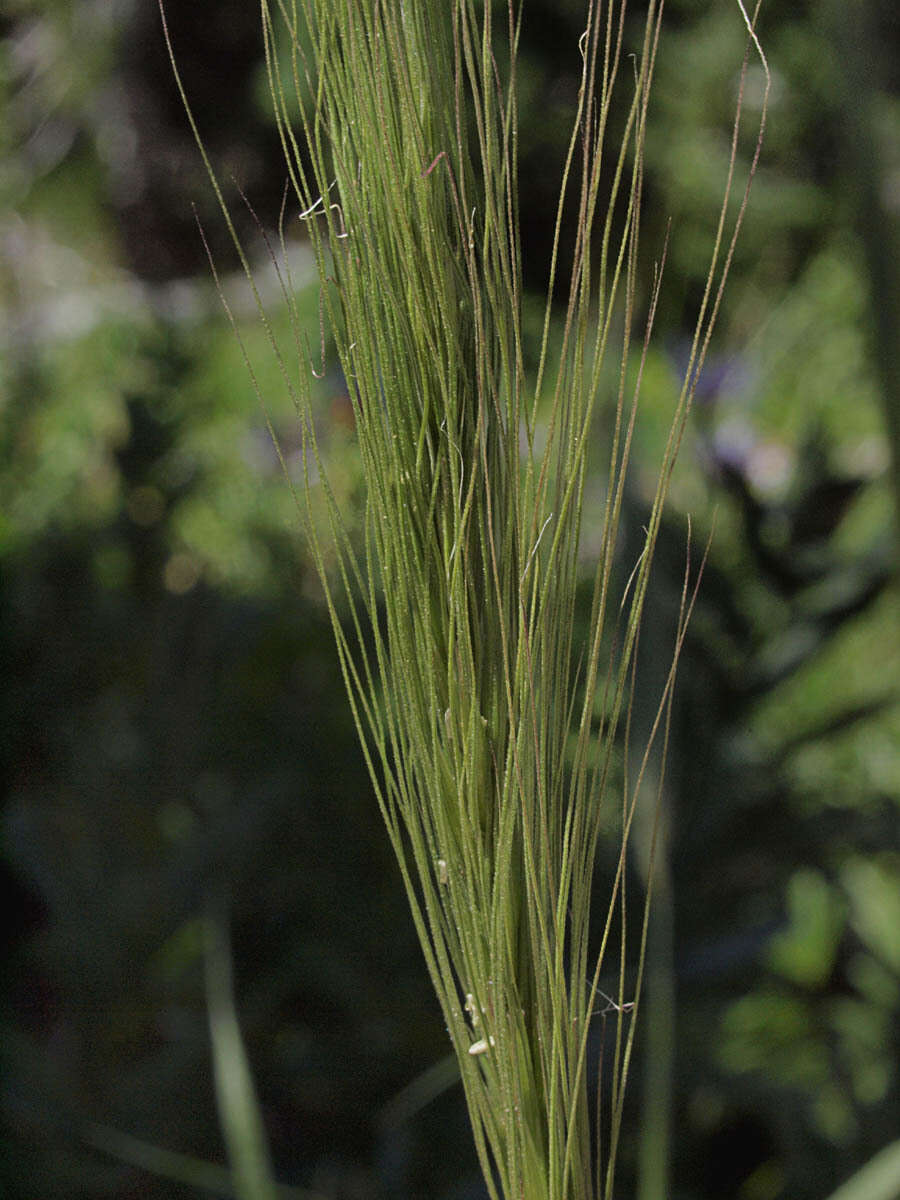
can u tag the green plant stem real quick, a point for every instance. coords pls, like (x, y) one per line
(490, 734)
(239, 1110)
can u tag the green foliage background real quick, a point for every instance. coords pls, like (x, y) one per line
(172, 711)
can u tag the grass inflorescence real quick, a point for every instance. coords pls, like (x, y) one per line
(487, 724)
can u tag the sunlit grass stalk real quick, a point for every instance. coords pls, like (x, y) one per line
(488, 730)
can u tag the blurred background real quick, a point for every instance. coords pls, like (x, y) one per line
(173, 720)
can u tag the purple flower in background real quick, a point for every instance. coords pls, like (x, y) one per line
(721, 375)
(732, 443)
(766, 464)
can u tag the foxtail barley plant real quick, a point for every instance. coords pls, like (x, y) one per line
(487, 725)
